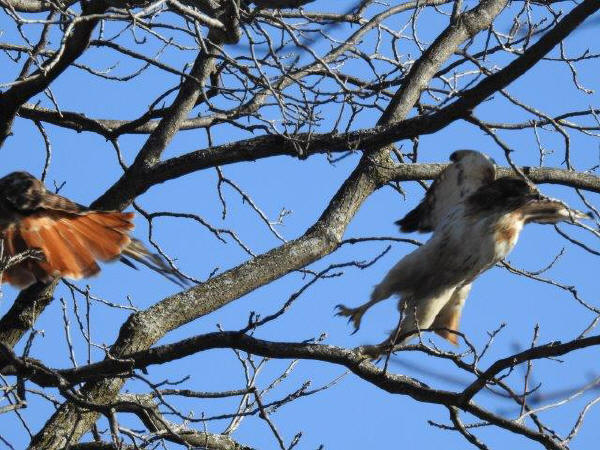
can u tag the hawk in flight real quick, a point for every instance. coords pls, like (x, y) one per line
(71, 237)
(476, 220)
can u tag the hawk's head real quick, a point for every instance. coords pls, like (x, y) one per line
(509, 194)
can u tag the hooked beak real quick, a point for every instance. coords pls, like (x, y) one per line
(546, 210)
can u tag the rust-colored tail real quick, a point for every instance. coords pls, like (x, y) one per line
(448, 319)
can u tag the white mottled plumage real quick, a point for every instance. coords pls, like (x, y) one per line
(476, 220)
(468, 172)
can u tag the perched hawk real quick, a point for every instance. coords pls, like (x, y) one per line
(476, 220)
(70, 236)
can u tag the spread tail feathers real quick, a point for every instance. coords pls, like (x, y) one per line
(138, 251)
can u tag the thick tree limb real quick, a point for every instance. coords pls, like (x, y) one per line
(25, 310)
(351, 359)
(32, 6)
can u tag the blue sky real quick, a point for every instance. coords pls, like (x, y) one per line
(351, 414)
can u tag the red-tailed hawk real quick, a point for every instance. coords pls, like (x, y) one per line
(70, 236)
(476, 220)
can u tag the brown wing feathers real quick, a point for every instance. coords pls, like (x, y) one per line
(71, 243)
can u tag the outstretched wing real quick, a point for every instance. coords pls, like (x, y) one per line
(468, 171)
(71, 237)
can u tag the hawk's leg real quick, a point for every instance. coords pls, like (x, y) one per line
(355, 314)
